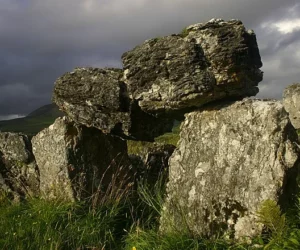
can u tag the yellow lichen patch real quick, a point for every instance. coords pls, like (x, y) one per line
(235, 76)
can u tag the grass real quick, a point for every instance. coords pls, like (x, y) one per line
(42, 224)
(34, 122)
(139, 147)
(129, 221)
(184, 33)
(126, 220)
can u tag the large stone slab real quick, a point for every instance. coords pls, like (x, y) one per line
(76, 162)
(99, 98)
(291, 102)
(230, 159)
(19, 177)
(207, 62)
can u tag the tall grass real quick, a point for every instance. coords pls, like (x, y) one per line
(129, 222)
(125, 216)
(42, 224)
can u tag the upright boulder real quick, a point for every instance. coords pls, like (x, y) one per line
(19, 176)
(230, 159)
(207, 62)
(75, 162)
(291, 102)
(99, 98)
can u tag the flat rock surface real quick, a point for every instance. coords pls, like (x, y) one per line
(230, 158)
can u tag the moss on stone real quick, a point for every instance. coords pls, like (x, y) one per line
(184, 32)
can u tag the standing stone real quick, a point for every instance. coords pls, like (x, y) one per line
(291, 103)
(18, 171)
(207, 62)
(98, 98)
(229, 160)
(75, 162)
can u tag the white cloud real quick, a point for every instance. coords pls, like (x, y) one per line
(9, 117)
(287, 26)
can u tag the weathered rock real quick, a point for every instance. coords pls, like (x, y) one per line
(291, 103)
(19, 176)
(98, 98)
(229, 160)
(75, 162)
(207, 62)
(152, 162)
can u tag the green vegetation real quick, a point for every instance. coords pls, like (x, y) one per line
(184, 33)
(42, 224)
(172, 137)
(34, 122)
(125, 220)
(270, 215)
(129, 221)
(138, 147)
(156, 39)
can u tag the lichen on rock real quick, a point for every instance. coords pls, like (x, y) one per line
(19, 176)
(75, 162)
(99, 98)
(291, 102)
(230, 158)
(176, 73)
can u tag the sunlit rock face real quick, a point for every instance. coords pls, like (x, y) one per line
(230, 159)
(19, 178)
(291, 102)
(162, 79)
(75, 162)
(207, 62)
(98, 98)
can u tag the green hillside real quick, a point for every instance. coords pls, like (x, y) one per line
(34, 122)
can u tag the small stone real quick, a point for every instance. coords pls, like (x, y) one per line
(291, 103)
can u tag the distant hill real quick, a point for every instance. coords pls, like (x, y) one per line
(50, 110)
(33, 122)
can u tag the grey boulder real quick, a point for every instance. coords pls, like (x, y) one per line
(19, 177)
(76, 162)
(230, 159)
(207, 62)
(99, 98)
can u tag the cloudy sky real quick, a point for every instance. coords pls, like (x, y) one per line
(42, 39)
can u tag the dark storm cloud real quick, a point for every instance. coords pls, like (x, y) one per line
(280, 50)
(40, 40)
